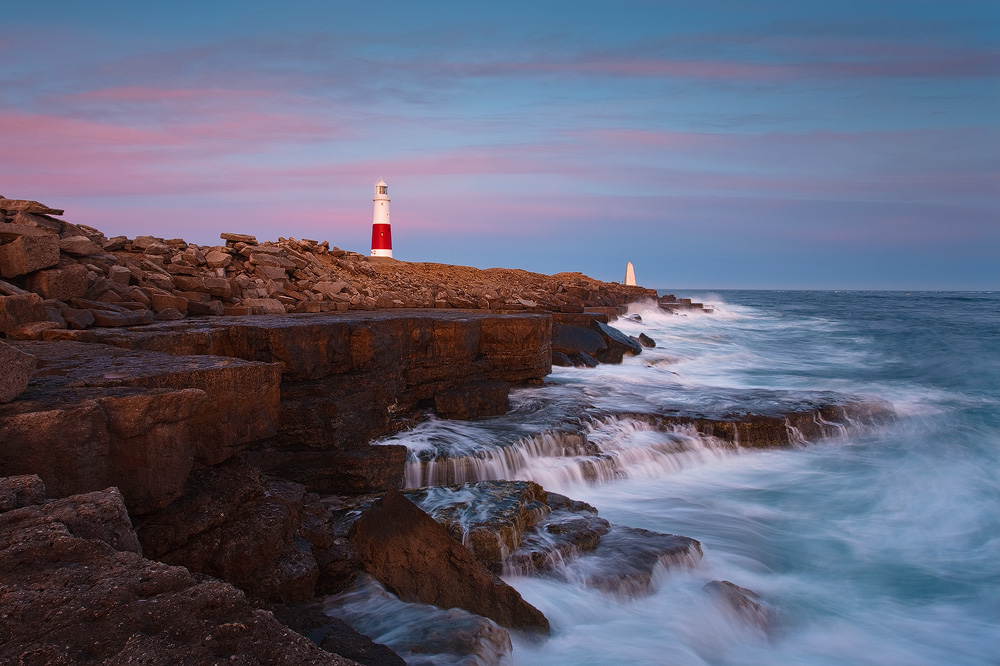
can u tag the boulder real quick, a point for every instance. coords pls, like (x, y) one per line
(412, 555)
(79, 246)
(617, 344)
(571, 340)
(26, 254)
(561, 359)
(646, 341)
(217, 259)
(17, 370)
(20, 491)
(626, 560)
(238, 238)
(60, 283)
(21, 309)
(742, 602)
(26, 206)
(473, 400)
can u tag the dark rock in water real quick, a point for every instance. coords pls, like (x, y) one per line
(742, 602)
(334, 635)
(626, 560)
(646, 341)
(571, 340)
(559, 537)
(617, 344)
(421, 633)
(414, 556)
(561, 359)
(19, 491)
(474, 400)
(586, 360)
(488, 517)
(76, 591)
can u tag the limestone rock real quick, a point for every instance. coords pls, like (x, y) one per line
(413, 556)
(100, 416)
(20, 491)
(626, 559)
(618, 344)
(79, 246)
(646, 341)
(571, 340)
(26, 206)
(80, 556)
(20, 309)
(742, 602)
(26, 254)
(264, 305)
(60, 283)
(238, 238)
(261, 534)
(217, 259)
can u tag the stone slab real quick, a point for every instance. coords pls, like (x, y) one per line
(95, 416)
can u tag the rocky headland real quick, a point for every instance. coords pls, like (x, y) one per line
(186, 458)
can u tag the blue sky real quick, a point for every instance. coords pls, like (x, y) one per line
(713, 144)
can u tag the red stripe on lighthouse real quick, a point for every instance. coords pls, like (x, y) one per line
(381, 237)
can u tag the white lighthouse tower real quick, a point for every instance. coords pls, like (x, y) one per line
(381, 232)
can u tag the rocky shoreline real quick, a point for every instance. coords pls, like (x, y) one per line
(186, 465)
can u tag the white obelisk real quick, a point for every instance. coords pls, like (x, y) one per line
(629, 275)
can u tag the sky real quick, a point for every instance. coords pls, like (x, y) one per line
(754, 145)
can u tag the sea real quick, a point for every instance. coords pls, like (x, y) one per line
(879, 545)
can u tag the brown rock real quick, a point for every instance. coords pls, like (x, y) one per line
(25, 206)
(10, 231)
(20, 491)
(204, 309)
(190, 283)
(217, 259)
(78, 319)
(413, 556)
(219, 287)
(99, 416)
(8, 289)
(270, 272)
(79, 246)
(26, 254)
(169, 314)
(238, 238)
(33, 331)
(60, 283)
(17, 370)
(79, 557)
(264, 305)
(20, 309)
(116, 319)
(250, 530)
(161, 301)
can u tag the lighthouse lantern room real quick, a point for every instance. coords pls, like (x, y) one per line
(381, 236)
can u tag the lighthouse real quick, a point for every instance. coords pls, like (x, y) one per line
(381, 235)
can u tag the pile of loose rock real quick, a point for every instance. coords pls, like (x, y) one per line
(54, 274)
